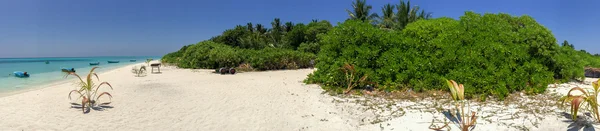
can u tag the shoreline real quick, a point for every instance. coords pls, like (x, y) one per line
(55, 83)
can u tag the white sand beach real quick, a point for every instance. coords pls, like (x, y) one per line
(184, 99)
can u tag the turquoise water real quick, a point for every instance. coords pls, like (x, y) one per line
(42, 73)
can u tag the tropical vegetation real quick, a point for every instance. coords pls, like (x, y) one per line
(582, 99)
(404, 48)
(88, 91)
(139, 70)
(461, 115)
(284, 46)
(212, 55)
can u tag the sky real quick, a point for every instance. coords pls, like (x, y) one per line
(72, 28)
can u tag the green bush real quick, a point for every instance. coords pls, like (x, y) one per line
(173, 56)
(275, 58)
(311, 47)
(569, 64)
(352, 42)
(492, 54)
(211, 55)
(288, 35)
(197, 56)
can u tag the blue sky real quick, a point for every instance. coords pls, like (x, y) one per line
(55, 28)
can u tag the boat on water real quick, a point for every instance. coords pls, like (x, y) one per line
(94, 63)
(68, 69)
(47, 62)
(111, 61)
(132, 60)
(20, 74)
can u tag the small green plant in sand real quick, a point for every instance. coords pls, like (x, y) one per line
(465, 119)
(88, 91)
(587, 98)
(351, 76)
(148, 61)
(139, 70)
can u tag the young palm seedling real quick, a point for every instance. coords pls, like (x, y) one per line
(88, 91)
(148, 61)
(587, 98)
(350, 77)
(465, 119)
(139, 71)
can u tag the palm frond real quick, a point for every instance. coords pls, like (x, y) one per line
(104, 93)
(97, 78)
(577, 89)
(79, 92)
(75, 74)
(575, 104)
(103, 83)
(351, 14)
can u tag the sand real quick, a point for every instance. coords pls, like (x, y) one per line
(184, 99)
(180, 99)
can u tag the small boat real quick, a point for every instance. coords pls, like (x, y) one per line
(20, 74)
(47, 62)
(111, 61)
(94, 63)
(68, 69)
(132, 60)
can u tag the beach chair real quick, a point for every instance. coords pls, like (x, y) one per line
(155, 65)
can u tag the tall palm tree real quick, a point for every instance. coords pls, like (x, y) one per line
(566, 44)
(361, 11)
(406, 14)
(261, 29)
(276, 32)
(387, 20)
(249, 26)
(276, 25)
(288, 26)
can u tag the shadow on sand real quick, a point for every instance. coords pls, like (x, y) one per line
(99, 107)
(455, 120)
(582, 122)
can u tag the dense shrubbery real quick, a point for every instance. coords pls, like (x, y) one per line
(495, 54)
(173, 57)
(570, 62)
(212, 55)
(492, 54)
(284, 46)
(287, 36)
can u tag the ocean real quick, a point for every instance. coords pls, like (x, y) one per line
(42, 73)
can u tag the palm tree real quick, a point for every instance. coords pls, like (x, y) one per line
(288, 26)
(361, 11)
(276, 25)
(314, 20)
(276, 32)
(249, 26)
(406, 14)
(566, 44)
(387, 20)
(261, 29)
